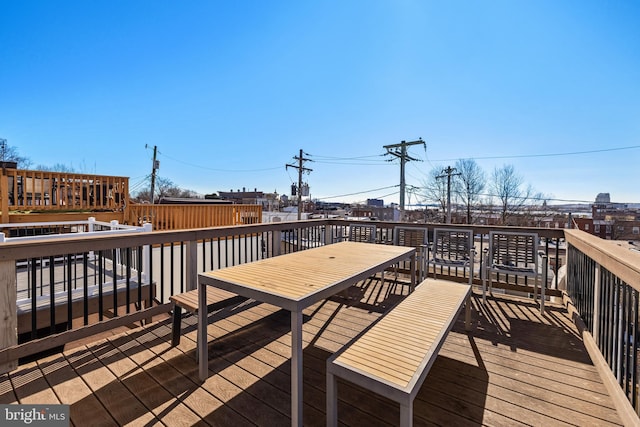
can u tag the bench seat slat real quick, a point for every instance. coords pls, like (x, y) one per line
(189, 300)
(386, 358)
(411, 348)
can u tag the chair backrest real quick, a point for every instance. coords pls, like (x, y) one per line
(410, 236)
(362, 233)
(452, 245)
(515, 250)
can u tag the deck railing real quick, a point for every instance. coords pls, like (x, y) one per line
(51, 191)
(136, 286)
(603, 281)
(176, 217)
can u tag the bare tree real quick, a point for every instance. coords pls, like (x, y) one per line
(507, 188)
(435, 190)
(9, 153)
(164, 188)
(57, 167)
(470, 184)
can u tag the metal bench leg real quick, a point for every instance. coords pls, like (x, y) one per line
(543, 283)
(175, 328)
(332, 400)
(484, 286)
(542, 299)
(467, 314)
(406, 414)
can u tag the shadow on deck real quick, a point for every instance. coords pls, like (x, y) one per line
(516, 367)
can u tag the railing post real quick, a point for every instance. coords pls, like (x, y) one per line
(192, 265)
(328, 232)
(277, 242)
(8, 310)
(91, 224)
(146, 254)
(116, 262)
(596, 305)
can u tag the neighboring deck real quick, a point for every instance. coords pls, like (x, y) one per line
(516, 368)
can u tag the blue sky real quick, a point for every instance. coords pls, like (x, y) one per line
(230, 91)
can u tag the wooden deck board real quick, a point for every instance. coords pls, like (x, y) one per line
(517, 368)
(73, 391)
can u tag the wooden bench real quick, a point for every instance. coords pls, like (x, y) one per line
(217, 299)
(394, 355)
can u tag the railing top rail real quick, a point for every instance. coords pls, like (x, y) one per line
(67, 175)
(613, 255)
(57, 223)
(556, 233)
(68, 236)
(85, 242)
(44, 224)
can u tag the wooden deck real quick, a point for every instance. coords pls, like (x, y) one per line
(515, 368)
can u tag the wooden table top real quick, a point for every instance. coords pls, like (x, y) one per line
(299, 279)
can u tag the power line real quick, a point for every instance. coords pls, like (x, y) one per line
(319, 157)
(520, 156)
(349, 161)
(372, 163)
(359, 192)
(218, 170)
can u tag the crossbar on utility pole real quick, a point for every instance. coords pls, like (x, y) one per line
(400, 151)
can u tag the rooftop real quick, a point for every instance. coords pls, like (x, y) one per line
(574, 363)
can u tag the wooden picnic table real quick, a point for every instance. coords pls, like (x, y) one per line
(294, 282)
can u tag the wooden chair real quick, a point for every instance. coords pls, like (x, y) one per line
(415, 237)
(452, 248)
(514, 253)
(365, 233)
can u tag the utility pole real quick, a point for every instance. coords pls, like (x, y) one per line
(155, 167)
(400, 151)
(449, 173)
(301, 159)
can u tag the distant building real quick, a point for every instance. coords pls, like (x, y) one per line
(268, 201)
(192, 201)
(379, 213)
(243, 197)
(611, 221)
(603, 198)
